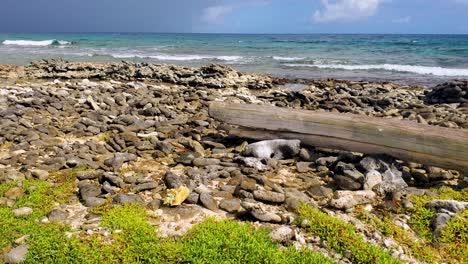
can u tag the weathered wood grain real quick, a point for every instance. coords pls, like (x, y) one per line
(406, 140)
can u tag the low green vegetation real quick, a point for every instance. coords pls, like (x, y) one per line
(421, 216)
(342, 237)
(39, 196)
(131, 238)
(6, 145)
(451, 246)
(453, 242)
(232, 242)
(415, 247)
(104, 136)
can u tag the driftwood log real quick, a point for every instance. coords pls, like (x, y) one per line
(405, 140)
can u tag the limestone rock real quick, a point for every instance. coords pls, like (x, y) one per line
(282, 234)
(23, 211)
(17, 255)
(207, 200)
(230, 205)
(123, 198)
(268, 196)
(273, 149)
(348, 199)
(176, 196)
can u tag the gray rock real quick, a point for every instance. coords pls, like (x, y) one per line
(123, 198)
(108, 188)
(14, 193)
(172, 181)
(114, 180)
(93, 201)
(72, 162)
(155, 204)
(17, 255)
(320, 192)
(370, 164)
(306, 155)
(88, 190)
(439, 221)
(268, 196)
(165, 146)
(275, 149)
(88, 175)
(347, 183)
(57, 215)
(449, 205)
(348, 199)
(282, 234)
(192, 198)
(303, 167)
(326, 161)
(145, 186)
(119, 159)
(245, 195)
(258, 211)
(295, 198)
(40, 174)
(253, 163)
(187, 158)
(248, 184)
(230, 205)
(392, 180)
(204, 162)
(372, 178)
(207, 200)
(347, 177)
(391, 177)
(23, 211)
(435, 174)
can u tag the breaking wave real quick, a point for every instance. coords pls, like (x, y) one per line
(437, 71)
(36, 42)
(288, 58)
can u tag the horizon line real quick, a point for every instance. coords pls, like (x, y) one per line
(224, 33)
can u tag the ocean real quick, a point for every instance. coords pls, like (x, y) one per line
(407, 59)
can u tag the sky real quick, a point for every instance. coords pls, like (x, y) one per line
(235, 16)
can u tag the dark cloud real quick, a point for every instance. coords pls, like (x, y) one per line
(100, 15)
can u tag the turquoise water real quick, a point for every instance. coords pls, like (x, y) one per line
(423, 59)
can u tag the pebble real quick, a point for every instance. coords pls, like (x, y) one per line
(14, 193)
(123, 198)
(282, 234)
(17, 254)
(23, 211)
(348, 199)
(230, 205)
(208, 201)
(40, 174)
(57, 215)
(268, 196)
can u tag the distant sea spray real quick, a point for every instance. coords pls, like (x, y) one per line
(402, 58)
(22, 42)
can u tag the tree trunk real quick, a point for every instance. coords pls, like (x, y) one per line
(406, 140)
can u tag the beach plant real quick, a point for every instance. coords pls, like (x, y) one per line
(419, 242)
(229, 241)
(131, 238)
(342, 237)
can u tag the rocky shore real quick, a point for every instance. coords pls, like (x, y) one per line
(141, 133)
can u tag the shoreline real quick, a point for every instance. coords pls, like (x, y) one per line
(126, 133)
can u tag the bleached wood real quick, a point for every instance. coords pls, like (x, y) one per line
(406, 140)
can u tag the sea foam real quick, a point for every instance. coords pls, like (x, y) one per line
(35, 42)
(437, 71)
(288, 58)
